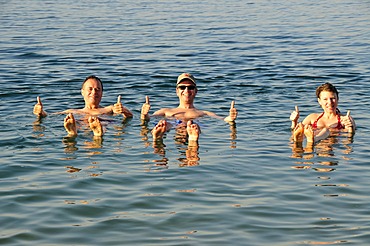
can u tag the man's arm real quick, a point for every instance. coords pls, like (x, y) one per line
(230, 118)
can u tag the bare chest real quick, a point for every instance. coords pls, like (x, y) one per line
(184, 114)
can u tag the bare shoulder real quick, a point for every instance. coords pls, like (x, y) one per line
(310, 118)
(162, 111)
(73, 111)
(208, 113)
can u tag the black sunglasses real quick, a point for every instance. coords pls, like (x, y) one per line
(183, 87)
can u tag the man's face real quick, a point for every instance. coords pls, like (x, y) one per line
(92, 92)
(186, 91)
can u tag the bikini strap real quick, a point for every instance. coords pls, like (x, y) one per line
(314, 125)
(339, 124)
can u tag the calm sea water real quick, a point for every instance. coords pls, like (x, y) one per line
(249, 186)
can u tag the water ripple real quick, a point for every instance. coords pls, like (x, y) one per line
(249, 182)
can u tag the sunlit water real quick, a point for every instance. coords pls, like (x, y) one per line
(249, 186)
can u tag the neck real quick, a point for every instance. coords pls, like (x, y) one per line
(91, 106)
(186, 105)
(330, 114)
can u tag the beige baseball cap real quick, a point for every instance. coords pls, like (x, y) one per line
(185, 76)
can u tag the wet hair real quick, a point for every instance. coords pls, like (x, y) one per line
(92, 77)
(326, 87)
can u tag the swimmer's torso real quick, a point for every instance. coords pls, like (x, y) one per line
(319, 122)
(93, 112)
(184, 114)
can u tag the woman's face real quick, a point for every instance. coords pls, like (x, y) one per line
(328, 101)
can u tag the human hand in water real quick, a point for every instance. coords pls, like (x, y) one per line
(118, 108)
(347, 121)
(145, 109)
(38, 108)
(233, 113)
(294, 116)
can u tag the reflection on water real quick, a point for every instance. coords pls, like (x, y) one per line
(233, 135)
(70, 145)
(38, 128)
(95, 143)
(188, 151)
(322, 158)
(324, 148)
(159, 149)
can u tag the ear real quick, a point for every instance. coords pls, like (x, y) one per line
(82, 92)
(319, 101)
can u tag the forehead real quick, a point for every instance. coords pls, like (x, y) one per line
(185, 82)
(328, 94)
(92, 83)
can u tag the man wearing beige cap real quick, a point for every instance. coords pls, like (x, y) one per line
(186, 90)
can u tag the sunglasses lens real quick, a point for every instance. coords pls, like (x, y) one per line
(183, 87)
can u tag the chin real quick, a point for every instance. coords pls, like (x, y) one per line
(331, 110)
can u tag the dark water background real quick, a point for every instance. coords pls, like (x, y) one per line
(248, 188)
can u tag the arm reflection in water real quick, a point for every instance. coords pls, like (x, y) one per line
(186, 135)
(158, 146)
(192, 155)
(85, 125)
(233, 135)
(38, 128)
(323, 148)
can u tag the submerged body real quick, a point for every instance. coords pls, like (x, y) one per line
(92, 92)
(317, 126)
(186, 91)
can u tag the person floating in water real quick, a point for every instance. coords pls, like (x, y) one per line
(185, 113)
(317, 126)
(92, 92)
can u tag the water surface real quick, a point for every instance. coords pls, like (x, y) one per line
(249, 186)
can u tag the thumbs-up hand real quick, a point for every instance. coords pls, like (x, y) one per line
(38, 108)
(294, 116)
(233, 113)
(347, 121)
(117, 107)
(145, 109)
